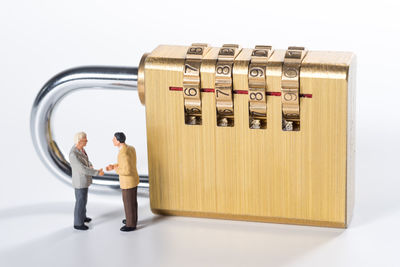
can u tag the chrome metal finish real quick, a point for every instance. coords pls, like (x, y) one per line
(96, 77)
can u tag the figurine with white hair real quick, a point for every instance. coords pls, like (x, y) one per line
(82, 172)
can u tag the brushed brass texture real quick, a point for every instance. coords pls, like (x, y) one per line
(140, 83)
(191, 83)
(257, 87)
(291, 88)
(305, 177)
(223, 84)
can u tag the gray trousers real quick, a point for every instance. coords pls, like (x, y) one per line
(81, 195)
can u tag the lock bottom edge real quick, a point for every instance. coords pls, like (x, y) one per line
(250, 218)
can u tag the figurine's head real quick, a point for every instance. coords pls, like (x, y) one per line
(80, 140)
(119, 138)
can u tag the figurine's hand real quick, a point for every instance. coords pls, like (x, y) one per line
(110, 167)
(101, 172)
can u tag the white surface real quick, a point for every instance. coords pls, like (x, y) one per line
(41, 38)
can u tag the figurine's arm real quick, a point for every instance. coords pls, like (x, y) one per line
(81, 167)
(124, 166)
(122, 169)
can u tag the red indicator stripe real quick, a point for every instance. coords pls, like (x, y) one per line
(175, 88)
(239, 92)
(306, 95)
(274, 93)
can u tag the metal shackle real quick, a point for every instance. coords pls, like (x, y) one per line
(90, 77)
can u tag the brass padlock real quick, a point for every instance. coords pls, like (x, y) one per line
(234, 133)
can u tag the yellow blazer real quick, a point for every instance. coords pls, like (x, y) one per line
(128, 176)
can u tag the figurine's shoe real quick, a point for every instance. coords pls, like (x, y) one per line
(127, 229)
(81, 227)
(87, 219)
(124, 221)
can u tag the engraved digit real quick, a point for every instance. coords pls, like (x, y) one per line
(256, 72)
(291, 115)
(259, 53)
(227, 51)
(226, 112)
(258, 114)
(293, 54)
(223, 69)
(290, 96)
(195, 50)
(193, 111)
(290, 72)
(190, 68)
(256, 96)
(190, 91)
(219, 91)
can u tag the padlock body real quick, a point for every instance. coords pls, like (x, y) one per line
(270, 175)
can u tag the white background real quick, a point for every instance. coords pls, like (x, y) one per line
(38, 39)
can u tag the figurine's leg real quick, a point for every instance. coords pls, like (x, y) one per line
(127, 197)
(85, 202)
(135, 205)
(80, 206)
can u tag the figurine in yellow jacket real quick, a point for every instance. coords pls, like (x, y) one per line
(128, 179)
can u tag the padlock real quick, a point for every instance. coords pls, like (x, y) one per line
(233, 133)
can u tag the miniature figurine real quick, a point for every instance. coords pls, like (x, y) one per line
(128, 179)
(82, 172)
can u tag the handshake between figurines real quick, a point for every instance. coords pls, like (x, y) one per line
(111, 167)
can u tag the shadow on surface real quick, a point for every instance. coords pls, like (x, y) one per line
(176, 242)
(277, 244)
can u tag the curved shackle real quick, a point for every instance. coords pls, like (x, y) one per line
(91, 77)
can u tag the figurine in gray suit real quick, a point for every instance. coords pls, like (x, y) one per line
(82, 172)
